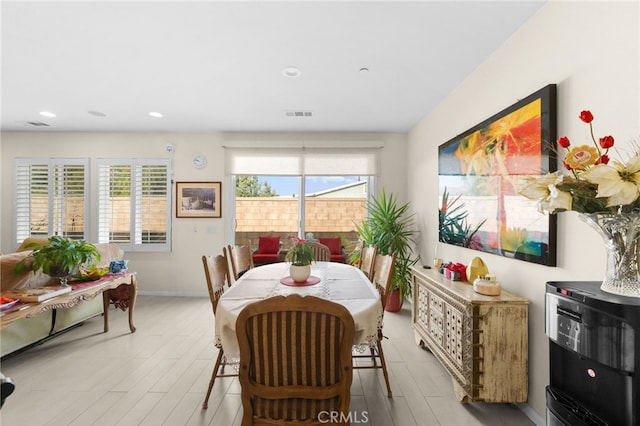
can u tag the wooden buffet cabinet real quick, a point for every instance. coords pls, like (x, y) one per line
(482, 341)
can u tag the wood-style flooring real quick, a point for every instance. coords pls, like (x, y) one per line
(159, 376)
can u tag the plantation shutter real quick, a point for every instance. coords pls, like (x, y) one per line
(51, 198)
(134, 203)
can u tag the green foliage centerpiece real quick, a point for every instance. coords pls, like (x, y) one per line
(60, 257)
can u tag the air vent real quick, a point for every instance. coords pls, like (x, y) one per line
(37, 123)
(298, 113)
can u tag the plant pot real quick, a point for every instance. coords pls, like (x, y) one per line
(394, 301)
(300, 274)
(60, 273)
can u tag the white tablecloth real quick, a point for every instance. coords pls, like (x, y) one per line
(343, 284)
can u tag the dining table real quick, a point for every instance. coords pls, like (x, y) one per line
(338, 282)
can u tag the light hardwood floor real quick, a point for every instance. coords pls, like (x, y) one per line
(159, 375)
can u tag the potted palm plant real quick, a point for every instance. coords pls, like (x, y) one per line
(60, 257)
(301, 257)
(390, 228)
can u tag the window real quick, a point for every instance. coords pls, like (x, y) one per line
(335, 183)
(134, 203)
(271, 205)
(51, 197)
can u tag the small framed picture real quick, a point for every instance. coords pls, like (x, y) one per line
(198, 199)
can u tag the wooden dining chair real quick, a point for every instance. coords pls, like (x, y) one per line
(295, 361)
(383, 267)
(240, 260)
(321, 253)
(367, 259)
(216, 272)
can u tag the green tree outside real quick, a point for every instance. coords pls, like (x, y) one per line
(250, 186)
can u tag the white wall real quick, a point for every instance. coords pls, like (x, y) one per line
(591, 51)
(179, 272)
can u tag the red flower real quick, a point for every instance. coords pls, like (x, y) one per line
(586, 116)
(606, 142)
(604, 159)
(566, 166)
(564, 142)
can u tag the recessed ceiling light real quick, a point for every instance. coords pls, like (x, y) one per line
(155, 114)
(97, 113)
(364, 70)
(47, 114)
(291, 72)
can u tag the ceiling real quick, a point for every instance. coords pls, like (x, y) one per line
(217, 65)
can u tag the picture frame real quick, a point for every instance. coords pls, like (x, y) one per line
(481, 171)
(198, 199)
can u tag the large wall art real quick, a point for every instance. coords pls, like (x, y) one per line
(481, 171)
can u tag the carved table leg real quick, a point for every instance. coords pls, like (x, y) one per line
(132, 303)
(105, 309)
(418, 339)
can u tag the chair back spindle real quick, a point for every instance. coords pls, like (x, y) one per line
(320, 252)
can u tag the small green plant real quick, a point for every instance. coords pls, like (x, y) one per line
(300, 254)
(60, 256)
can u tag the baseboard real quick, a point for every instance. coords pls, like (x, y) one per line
(174, 293)
(532, 414)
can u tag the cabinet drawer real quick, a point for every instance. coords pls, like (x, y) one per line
(436, 303)
(436, 334)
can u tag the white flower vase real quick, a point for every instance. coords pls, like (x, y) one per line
(621, 235)
(300, 274)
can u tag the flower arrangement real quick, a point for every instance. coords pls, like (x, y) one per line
(300, 254)
(596, 184)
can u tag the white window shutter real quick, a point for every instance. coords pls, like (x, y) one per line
(51, 198)
(134, 203)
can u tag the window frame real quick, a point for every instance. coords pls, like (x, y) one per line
(300, 159)
(136, 244)
(301, 231)
(22, 201)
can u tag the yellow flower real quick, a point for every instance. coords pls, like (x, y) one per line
(581, 157)
(619, 182)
